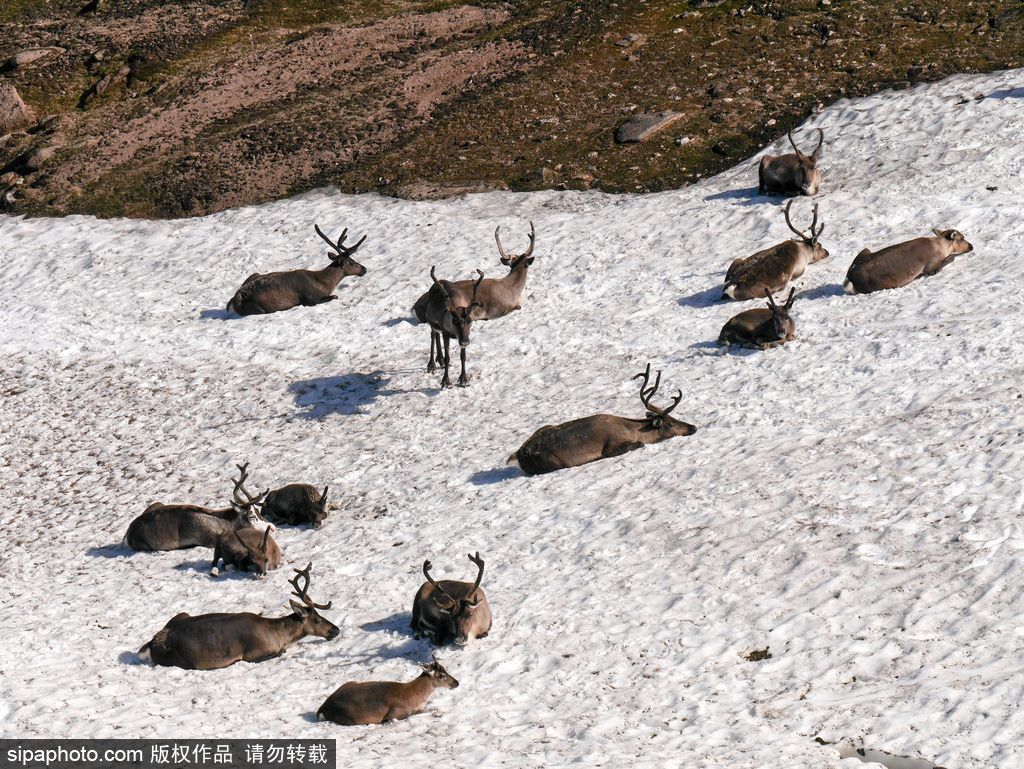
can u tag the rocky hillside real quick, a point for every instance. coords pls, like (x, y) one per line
(145, 108)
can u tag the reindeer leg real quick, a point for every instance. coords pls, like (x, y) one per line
(445, 381)
(326, 299)
(214, 571)
(463, 377)
(431, 368)
(615, 451)
(944, 263)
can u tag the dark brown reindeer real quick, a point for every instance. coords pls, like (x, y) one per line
(904, 263)
(497, 296)
(175, 527)
(792, 174)
(451, 610)
(555, 447)
(761, 327)
(246, 550)
(374, 702)
(276, 291)
(297, 503)
(450, 315)
(211, 641)
(773, 268)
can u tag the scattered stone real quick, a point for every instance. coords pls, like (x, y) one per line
(421, 189)
(541, 176)
(103, 84)
(37, 158)
(14, 113)
(757, 655)
(682, 141)
(10, 179)
(718, 117)
(643, 126)
(28, 57)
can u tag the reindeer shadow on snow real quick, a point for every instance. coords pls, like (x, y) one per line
(345, 394)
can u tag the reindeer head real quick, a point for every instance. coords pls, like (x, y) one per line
(258, 559)
(312, 622)
(318, 510)
(658, 418)
(342, 256)
(461, 317)
(459, 613)
(514, 261)
(782, 324)
(246, 506)
(957, 242)
(440, 677)
(806, 175)
(818, 251)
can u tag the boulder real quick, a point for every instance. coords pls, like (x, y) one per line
(643, 126)
(14, 114)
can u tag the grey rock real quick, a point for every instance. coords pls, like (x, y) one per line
(14, 113)
(643, 126)
(30, 56)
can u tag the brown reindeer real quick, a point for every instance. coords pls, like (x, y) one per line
(450, 610)
(555, 447)
(792, 174)
(761, 327)
(246, 550)
(374, 702)
(450, 315)
(276, 291)
(212, 641)
(297, 503)
(175, 527)
(773, 268)
(497, 296)
(904, 263)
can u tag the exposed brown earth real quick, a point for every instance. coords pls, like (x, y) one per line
(184, 108)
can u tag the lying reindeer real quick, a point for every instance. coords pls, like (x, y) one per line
(212, 641)
(297, 503)
(246, 550)
(374, 702)
(904, 263)
(175, 527)
(450, 610)
(497, 296)
(555, 447)
(449, 312)
(792, 174)
(276, 291)
(773, 268)
(761, 328)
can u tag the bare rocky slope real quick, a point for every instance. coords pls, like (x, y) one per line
(144, 108)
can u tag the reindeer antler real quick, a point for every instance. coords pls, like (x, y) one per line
(249, 500)
(301, 591)
(337, 246)
(646, 393)
(505, 258)
(440, 285)
(476, 285)
(427, 566)
(479, 575)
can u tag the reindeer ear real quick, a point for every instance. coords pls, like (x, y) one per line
(300, 609)
(938, 232)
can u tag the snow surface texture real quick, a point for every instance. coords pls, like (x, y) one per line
(851, 501)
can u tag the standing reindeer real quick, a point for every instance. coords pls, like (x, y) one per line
(175, 527)
(246, 549)
(450, 610)
(904, 263)
(212, 641)
(297, 503)
(276, 291)
(555, 447)
(792, 174)
(761, 327)
(449, 312)
(773, 268)
(374, 702)
(497, 296)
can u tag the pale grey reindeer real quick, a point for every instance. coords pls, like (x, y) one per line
(276, 291)
(761, 327)
(555, 447)
(451, 610)
(211, 641)
(773, 268)
(449, 312)
(375, 702)
(246, 550)
(497, 296)
(176, 527)
(297, 503)
(792, 174)
(904, 263)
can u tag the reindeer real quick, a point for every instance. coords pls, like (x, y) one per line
(761, 328)
(450, 610)
(245, 549)
(555, 447)
(276, 291)
(792, 174)
(449, 312)
(904, 263)
(773, 268)
(212, 641)
(176, 527)
(497, 296)
(374, 702)
(297, 503)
